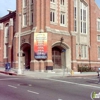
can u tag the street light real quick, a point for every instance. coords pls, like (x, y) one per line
(19, 28)
(61, 40)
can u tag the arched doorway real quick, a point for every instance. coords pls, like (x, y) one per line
(56, 57)
(61, 56)
(26, 58)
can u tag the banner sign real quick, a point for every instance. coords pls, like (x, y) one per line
(40, 45)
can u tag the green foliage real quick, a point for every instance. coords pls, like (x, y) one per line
(85, 68)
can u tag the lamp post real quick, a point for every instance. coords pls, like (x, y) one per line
(19, 28)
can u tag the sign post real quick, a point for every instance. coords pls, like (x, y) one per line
(64, 50)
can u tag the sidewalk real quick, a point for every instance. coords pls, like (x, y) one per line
(47, 74)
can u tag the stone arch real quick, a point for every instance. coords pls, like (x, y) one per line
(63, 50)
(26, 55)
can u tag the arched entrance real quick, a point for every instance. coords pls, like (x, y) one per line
(56, 57)
(26, 58)
(61, 56)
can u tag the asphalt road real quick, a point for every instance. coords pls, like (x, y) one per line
(28, 88)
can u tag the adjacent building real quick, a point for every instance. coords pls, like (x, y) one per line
(54, 34)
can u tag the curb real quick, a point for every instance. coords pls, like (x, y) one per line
(81, 75)
(8, 73)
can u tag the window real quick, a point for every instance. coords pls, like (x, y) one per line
(75, 15)
(98, 37)
(24, 3)
(6, 53)
(52, 1)
(6, 32)
(31, 1)
(99, 52)
(6, 37)
(84, 51)
(98, 24)
(31, 21)
(62, 2)
(24, 19)
(52, 16)
(83, 18)
(77, 51)
(62, 18)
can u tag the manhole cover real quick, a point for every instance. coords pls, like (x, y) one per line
(24, 84)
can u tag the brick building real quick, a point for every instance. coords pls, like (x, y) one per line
(72, 28)
(7, 31)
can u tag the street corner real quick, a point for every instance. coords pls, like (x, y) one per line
(8, 73)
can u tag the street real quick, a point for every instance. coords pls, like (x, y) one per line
(30, 88)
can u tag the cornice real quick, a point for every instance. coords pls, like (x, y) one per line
(56, 31)
(73, 33)
(25, 33)
(34, 29)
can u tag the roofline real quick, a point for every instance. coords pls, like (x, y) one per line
(8, 15)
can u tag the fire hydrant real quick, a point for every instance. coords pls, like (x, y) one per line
(72, 72)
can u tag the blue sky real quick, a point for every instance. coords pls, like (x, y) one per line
(6, 4)
(11, 4)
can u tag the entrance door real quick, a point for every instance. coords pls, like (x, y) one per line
(56, 57)
(27, 58)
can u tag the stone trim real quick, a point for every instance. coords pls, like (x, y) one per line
(15, 62)
(48, 61)
(73, 33)
(34, 61)
(85, 2)
(34, 29)
(25, 33)
(1, 26)
(16, 34)
(11, 22)
(80, 62)
(74, 61)
(56, 31)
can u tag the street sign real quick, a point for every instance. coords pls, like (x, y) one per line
(63, 50)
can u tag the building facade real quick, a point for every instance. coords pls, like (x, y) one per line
(7, 31)
(71, 27)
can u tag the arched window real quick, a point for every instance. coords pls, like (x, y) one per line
(6, 36)
(6, 30)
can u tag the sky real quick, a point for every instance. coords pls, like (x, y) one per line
(5, 5)
(11, 4)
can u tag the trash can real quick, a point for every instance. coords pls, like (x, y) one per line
(7, 66)
(72, 72)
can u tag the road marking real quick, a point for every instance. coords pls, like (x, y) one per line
(73, 83)
(8, 79)
(32, 92)
(29, 84)
(12, 86)
(90, 78)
